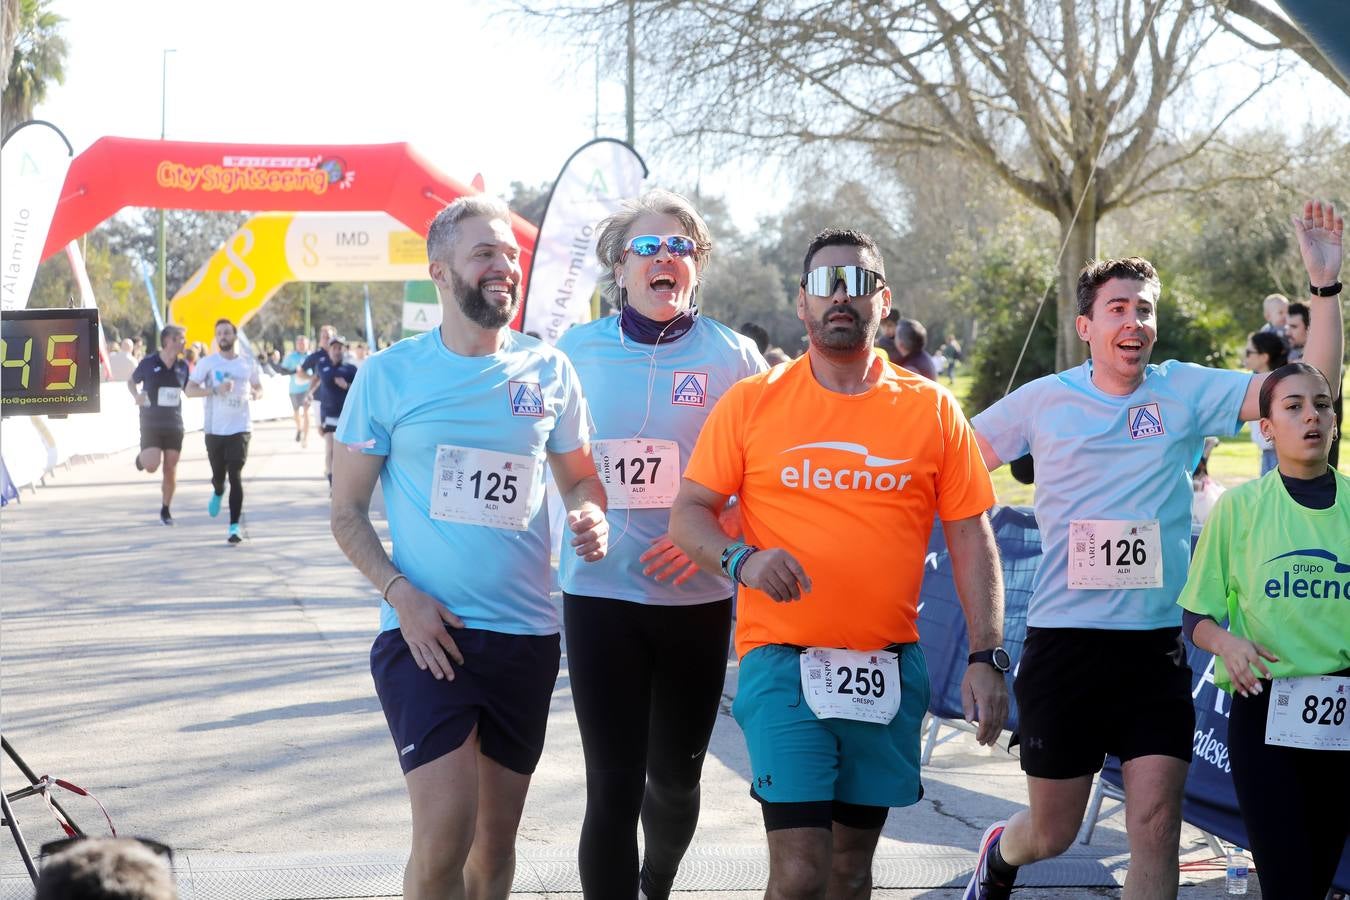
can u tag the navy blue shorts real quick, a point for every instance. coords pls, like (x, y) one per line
(504, 687)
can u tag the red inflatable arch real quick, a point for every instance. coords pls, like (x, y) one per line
(118, 172)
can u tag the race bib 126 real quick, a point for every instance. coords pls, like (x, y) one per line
(1110, 554)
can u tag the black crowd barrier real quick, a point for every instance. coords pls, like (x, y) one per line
(1209, 803)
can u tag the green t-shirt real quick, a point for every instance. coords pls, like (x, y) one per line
(1280, 573)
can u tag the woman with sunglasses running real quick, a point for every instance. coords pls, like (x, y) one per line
(647, 630)
(1274, 559)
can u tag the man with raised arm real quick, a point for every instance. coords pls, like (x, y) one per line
(1103, 670)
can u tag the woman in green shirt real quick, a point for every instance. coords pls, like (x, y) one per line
(1274, 560)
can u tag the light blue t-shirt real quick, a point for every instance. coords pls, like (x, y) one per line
(299, 382)
(523, 400)
(632, 392)
(1100, 456)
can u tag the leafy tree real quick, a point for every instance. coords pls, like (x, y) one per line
(1080, 108)
(34, 59)
(1003, 284)
(191, 237)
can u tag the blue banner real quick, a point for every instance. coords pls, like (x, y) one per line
(1209, 804)
(370, 322)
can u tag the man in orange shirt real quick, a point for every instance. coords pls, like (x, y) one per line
(841, 461)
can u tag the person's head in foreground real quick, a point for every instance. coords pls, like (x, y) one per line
(1296, 416)
(106, 869)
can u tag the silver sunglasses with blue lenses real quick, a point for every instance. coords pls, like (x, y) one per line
(650, 245)
(858, 282)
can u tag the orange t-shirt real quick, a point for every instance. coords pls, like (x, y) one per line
(849, 485)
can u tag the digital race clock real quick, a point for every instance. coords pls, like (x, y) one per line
(49, 362)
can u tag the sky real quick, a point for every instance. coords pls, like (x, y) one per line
(470, 90)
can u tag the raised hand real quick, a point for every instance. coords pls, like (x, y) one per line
(1320, 232)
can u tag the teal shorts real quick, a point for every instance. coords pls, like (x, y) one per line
(797, 758)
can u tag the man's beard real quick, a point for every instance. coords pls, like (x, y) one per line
(841, 340)
(477, 308)
(226, 344)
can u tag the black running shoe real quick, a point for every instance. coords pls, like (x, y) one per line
(165, 517)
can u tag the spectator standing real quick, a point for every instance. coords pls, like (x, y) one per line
(1275, 309)
(1266, 352)
(951, 352)
(910, 340)
(121, 363)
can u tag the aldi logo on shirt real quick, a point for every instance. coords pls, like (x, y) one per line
(690, 389)
(1145, 421)
(526, 398)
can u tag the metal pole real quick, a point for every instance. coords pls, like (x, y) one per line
(632, 62)
(307, 299)
(160, 268)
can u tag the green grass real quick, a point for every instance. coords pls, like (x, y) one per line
(1232, 462)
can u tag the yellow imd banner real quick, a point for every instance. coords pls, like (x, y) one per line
(273, 248)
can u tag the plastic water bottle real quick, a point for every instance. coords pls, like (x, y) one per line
(1236, 881)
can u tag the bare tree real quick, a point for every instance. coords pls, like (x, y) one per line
(1080, 106)
(1283, 35)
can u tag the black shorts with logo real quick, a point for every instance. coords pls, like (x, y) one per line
(162, 438)
(222, 449)
(1083, 693)
(504, 687)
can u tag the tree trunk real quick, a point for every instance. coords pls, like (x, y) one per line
(1081, 246)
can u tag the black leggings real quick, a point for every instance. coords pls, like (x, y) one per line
(647, 684)
(227, 454)
(1295, 804)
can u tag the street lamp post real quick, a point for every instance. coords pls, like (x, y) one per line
(160, 268)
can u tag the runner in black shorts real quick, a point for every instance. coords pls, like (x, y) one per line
(1115, 440)
(335, 379)
(162, 378)
(227, 380)
(469, 648)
